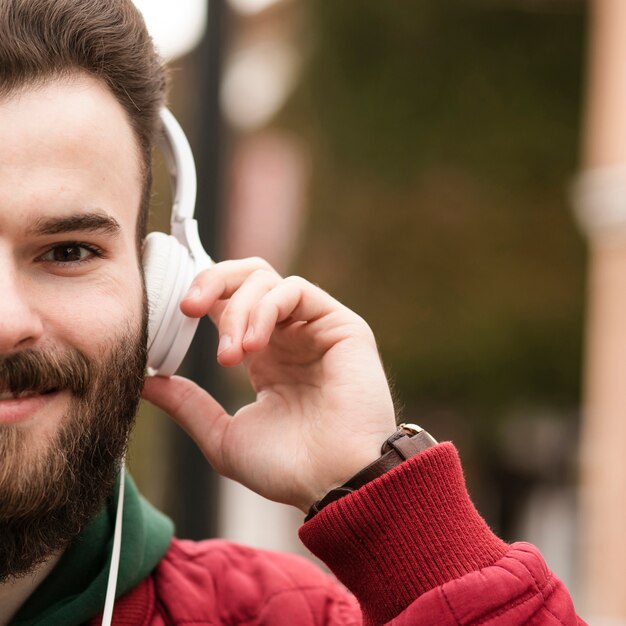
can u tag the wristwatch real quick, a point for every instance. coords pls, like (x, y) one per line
(406, 442)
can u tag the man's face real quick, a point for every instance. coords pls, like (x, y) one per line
(72, 321)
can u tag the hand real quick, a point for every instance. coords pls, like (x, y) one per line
(323, 406)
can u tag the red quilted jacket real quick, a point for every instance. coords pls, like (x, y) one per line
(410, 547)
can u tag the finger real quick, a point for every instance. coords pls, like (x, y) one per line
(234, 321)
(293, 299)
(204, 419)
(219, 282)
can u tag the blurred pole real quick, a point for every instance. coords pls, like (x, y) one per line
(603, 437)
(196, 514)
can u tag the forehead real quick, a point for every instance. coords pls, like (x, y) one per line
(67, 145)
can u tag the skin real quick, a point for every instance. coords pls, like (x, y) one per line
(66, 149)
(323, 406)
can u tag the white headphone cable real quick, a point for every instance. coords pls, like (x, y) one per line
(115, 554)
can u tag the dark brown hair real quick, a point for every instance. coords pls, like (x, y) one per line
(44, 39)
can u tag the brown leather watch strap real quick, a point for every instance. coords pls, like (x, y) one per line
(406, 442)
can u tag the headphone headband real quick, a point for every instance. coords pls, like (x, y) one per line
(171, 262)
(181, 168)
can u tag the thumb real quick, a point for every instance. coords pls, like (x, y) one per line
(194, 409)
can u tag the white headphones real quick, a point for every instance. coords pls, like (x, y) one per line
(170, 262)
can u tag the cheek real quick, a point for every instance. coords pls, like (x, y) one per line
(113, 311)
(90, 315)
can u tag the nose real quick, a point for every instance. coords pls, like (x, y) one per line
(20, 324)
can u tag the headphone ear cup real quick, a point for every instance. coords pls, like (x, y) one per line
(168, 273)
(158, 254)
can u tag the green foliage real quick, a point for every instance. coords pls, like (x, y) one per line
(444, 137)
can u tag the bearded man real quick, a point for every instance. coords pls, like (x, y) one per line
(80, 92)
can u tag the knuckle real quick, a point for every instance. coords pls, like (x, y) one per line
(296, 281)
(185, 399)
(260, 264)
(262, 275)
(362, 328)
(228, 318)
(203, 277)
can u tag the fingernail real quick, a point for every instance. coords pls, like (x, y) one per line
(225, 343)
(194, 292)
(249, 334)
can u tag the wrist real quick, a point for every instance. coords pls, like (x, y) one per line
(407, 441)
(359, 457)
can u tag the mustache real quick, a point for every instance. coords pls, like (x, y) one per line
(43, 371)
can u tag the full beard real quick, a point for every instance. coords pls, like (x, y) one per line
(48, 497)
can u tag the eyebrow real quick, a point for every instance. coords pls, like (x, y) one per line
(86, 222)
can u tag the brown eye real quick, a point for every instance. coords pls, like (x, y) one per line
(69, 253)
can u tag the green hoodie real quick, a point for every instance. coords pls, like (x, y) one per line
(75, 589)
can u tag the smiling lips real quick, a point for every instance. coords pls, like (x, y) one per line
(19, 406)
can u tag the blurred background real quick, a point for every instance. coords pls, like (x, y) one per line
(415, 160)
